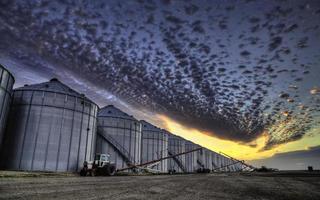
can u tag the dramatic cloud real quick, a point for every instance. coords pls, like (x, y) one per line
(235, 69)
(295, 160)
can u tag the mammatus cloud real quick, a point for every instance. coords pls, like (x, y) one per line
(206, 64)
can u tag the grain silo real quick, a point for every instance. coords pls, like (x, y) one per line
(176, 145)
(214, 157)
(224, 163)
(154, 145)
(192, 157)
(50, 128)
(239, 166)
(119, 135)
(6, 85)
(220, 163)
(227, 164)
(231, 165)
(207, 159)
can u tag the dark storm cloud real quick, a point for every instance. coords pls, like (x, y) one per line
(206, 64)
(295, 160)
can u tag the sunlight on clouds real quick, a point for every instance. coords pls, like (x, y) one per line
(240, 151)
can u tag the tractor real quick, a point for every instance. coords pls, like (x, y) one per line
(100, 166)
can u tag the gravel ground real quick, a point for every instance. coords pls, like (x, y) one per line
(193, 186)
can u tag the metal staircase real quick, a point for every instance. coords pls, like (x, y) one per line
(178, 161)
(199, 163)
(214, 165)
(119, 148)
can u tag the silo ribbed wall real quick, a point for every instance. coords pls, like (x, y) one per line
(200, 158)
(214, 157)
(51, 128)
(6, 85)
(119, 135)
(207, 159)
(219, 160)
(225, 163)
(232, 165)
(238, 166)
(191, 158)
(176, 145)
(216, 162)
(154, 145)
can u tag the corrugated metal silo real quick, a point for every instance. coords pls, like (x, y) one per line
(154, 145)
(228, 167)
(214, 157)
(238, 166)
(219, 162)
(51, 128)
(232, 166)
(204, 159)
(191, 158)
(207, 159)
(224, 163)
(176, 145)
(6, 85)
(119, 135)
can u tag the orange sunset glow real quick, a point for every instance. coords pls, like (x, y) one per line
(234, 149)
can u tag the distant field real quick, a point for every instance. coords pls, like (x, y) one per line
(280, 185)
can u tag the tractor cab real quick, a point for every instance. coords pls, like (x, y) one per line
(101, 165)
(100, 159)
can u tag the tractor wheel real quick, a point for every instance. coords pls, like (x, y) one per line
(83, 172)
(109, 170)
(94, 172)
(112, 170)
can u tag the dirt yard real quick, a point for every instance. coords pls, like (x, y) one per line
(193, 186)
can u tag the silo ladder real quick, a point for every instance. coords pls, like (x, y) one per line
(120, 149)
(178, 161)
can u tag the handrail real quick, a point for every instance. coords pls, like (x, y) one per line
(240, 161)
(227, 165)
(178, 161)
(200, 163)
(160, 159)
(123, 152)
(213, 164)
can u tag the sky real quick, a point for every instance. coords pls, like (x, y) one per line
(239, 77)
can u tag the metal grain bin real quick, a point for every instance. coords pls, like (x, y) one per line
(238, 167)
(154, 145)
(119, 135)
(6, 85)
(191, 158)
(220, 163)
(231, 165)
(216, 162)
(207, 159)
(176, 145)
(224, 163)
(51, 128)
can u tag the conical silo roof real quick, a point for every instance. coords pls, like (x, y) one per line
(54, 85)
(111, 111)
(147, 126)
